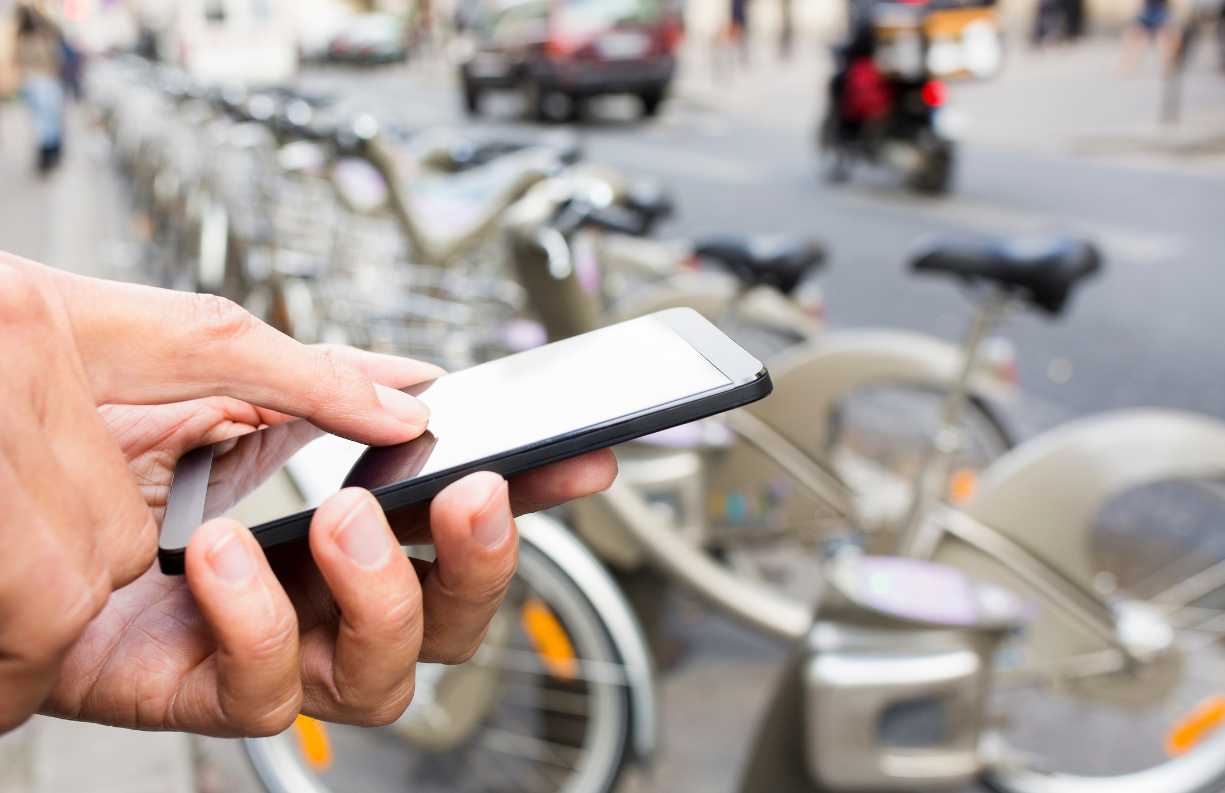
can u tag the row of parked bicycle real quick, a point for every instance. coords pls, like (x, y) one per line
(1045, 617)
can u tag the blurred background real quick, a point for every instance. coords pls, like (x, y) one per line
(457, 179)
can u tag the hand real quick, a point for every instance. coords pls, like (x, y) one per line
(244, 643)
(77, 526)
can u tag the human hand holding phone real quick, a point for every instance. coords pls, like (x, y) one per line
(105, 385)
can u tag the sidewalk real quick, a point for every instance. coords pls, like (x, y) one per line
(72, 219)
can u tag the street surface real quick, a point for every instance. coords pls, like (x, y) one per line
(1059, 142)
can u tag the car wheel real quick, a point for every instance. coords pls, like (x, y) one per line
(535, 101)
(651, 101)
(472, 99)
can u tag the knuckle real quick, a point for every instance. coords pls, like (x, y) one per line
(403, 616)
(272, 720)
(486, 591)
(22, 295)
(138, 553)
(334, 376)
(221, 318)
(274, 642)
(88, 596)
(389, 707)
(446, 648)
(465, 652)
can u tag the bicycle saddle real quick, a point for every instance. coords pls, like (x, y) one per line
(1041, 270)
(775, 261)
(650, 201)
(452, 209)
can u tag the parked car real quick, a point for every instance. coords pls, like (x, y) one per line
(559, 53)
(371, 38)
(231, 41)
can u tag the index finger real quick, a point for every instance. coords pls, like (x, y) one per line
(145, 345)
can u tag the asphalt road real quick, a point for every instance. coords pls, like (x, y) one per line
(1146, 333)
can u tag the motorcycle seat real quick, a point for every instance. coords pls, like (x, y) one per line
(779, 262)
(1041, 270)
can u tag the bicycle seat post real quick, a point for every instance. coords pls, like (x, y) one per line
(931, 481)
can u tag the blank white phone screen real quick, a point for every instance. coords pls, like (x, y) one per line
(504, 405)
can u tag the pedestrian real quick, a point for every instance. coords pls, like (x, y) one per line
(1073, 20)
(105, 386)
(1049, 22)
(38, 69)
(1151, 25)
(738, 30)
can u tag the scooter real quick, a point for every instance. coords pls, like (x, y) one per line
(914, 137)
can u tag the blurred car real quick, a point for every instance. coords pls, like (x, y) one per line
(371, 38)
(566, 51)
(317, 29)
(232, 41)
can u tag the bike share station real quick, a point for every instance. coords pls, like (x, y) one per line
(931, 561)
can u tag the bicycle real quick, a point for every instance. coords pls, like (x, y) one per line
(1119, 641)
(853, 384)
(895, 646)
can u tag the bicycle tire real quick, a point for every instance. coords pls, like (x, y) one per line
(280, 770)
(1202, 771)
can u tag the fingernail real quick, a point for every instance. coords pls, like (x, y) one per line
(231, 559)
(492, 524)
(362, 534)
(403, 406)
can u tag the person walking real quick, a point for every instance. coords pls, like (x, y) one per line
(37, 54)
(1152, 24)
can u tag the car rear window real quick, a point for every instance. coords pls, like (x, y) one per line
(592, 16)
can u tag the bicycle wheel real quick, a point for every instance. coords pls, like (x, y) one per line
(543, 706)
(768, 529)
(1159, 553)
(880, 435)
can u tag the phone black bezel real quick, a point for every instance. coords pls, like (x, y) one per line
(749, 382)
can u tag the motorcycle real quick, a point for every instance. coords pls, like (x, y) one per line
(911, 135)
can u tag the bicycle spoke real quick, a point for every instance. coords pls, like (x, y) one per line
(546, 699)
(1193, 617)
(522, 745)
(524, 662)
(1204, 583)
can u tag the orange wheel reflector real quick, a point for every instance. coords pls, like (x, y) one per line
(313, 741)
(1195, 726)
(550, 639)
(962, 484)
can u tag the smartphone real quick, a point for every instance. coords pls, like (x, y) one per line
(536, 407)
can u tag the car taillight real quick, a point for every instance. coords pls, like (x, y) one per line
(557, 47)
(934, 93)
(674, 33)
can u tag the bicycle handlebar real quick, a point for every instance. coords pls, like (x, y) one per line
(577, 215)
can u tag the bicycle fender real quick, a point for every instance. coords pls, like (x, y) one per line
(810, 379)
(1025, 495)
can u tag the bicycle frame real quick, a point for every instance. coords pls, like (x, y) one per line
(1026, 530)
